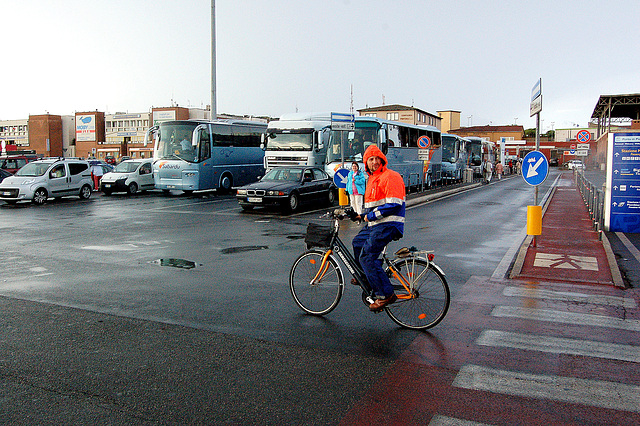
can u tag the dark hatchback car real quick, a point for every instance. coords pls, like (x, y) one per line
(288, 187)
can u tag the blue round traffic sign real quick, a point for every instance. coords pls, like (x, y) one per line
(535, 168)
(424, 142)
(340, 178)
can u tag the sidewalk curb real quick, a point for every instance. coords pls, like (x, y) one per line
(613, 264)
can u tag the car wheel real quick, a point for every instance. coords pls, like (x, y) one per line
(294, 202)
(132, 188)
(40, 196)
(331, 198)
(85, 192)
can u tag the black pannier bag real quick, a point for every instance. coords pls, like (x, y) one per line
(318, 235)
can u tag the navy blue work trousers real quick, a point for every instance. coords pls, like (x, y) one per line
(367, 246)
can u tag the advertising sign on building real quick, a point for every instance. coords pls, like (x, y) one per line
(162, 116)
(622, 195)
(85, 128)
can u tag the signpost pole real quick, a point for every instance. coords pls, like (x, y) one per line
(534, 108)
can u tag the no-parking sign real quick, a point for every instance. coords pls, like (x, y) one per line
(424, 142)
(583, 136)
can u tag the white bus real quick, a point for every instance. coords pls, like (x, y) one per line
(479, 151)
(297, 139)
(194, 155)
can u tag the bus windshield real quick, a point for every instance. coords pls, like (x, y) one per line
(289, 141)
(174, 141)
(475, 155)
(353, 141)
(449, 149)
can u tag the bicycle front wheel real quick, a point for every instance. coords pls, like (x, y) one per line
(427, 301)
(315, 287)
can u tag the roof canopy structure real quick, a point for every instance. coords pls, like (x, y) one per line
(616, 109)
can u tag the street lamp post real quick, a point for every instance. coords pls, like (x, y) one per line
(214, 113)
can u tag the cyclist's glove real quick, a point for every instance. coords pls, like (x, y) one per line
(351, 214)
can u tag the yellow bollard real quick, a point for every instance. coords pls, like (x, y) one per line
(343, 200)
(534, 220)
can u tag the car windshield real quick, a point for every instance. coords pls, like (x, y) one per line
(283, 174)
(127, 167)
(33, 169)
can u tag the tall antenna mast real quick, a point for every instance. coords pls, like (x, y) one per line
(351, 107)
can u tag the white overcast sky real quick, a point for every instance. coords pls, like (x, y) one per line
(278, 56)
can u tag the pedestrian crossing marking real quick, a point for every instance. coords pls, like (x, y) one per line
(439, 420)
(596, 299)
(566, 317)
(564, 261)
(597, 393)
(559, 345)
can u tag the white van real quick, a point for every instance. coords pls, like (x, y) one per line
(49, 178)
(129, 176)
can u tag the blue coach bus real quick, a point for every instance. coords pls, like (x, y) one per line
(194, 155)
(454, 157)
(420, 166)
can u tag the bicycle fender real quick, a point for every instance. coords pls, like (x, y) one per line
(439, 269)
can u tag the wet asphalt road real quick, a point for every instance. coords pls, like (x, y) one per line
(105, 255)
(219, 343)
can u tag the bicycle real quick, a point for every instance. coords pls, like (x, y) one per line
(316, 279)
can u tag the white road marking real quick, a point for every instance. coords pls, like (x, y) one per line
(566, 317)
(439, 420)
(596, 299)
(563, 261)
(597, 393)
(557, 345)
(629, 245)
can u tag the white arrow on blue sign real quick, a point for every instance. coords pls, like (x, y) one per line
(340, 178)
(535, 168)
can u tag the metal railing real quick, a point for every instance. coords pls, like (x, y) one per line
(593, 198)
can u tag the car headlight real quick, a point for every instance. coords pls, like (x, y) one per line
(280, 193)
(241, 192)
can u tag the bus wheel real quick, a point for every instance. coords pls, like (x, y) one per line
(226, 183)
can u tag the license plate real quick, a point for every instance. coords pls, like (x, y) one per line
(254, 199)
(6, 193)
(107, 185)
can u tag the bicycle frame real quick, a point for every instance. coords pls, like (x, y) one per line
(340, 249)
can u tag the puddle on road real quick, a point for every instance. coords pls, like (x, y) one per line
(175, 263)
(232, 250)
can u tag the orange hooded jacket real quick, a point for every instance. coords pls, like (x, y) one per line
(384, 198)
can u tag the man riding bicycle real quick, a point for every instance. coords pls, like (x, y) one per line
(384, 203)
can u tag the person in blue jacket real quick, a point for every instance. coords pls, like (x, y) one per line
(356, 186)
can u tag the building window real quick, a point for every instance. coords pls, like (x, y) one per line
(392, 116)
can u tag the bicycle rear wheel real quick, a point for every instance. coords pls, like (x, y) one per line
(428, 302)
(323, 295)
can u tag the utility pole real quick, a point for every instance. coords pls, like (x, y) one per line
(214, 113)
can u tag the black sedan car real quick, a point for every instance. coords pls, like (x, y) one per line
(288, 187)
